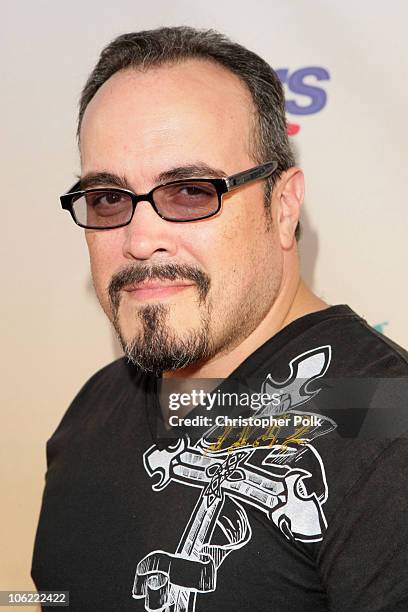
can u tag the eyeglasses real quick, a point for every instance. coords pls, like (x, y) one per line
(178, 201)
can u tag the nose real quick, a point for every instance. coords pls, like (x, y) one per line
(148, 234)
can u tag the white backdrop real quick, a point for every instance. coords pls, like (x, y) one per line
(353, 148)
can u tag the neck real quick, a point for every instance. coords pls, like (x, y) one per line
(294, 301)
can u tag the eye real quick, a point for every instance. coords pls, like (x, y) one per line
(192, 191)
(106, 198)
(97, 204)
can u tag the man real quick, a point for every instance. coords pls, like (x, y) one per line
(190, 199)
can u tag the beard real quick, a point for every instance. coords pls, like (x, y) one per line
(156, 348)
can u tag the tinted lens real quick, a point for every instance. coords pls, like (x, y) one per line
(186, 200)
(103, 208)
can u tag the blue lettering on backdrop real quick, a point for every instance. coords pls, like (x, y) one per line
(297, 85)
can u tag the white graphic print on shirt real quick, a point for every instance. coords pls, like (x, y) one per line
(229, 481)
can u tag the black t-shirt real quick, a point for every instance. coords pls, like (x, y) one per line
(309, 519)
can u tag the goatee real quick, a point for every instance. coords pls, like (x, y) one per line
(157, 348)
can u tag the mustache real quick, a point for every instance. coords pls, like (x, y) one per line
(138, 273)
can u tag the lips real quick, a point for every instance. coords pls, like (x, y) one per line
(155, 285)
(155, 289)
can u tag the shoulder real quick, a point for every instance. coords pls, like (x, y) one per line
(358, 349)
(113, 373)
(113, 387)
(381, 353)
(109, 381)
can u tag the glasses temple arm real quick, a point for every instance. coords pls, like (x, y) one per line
(259, 172)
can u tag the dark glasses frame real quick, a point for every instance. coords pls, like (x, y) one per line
(221, 185)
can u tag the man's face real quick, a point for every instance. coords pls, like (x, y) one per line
(179, 293)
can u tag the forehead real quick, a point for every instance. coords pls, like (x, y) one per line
(189, 111)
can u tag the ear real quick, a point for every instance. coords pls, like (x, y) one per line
(289, 194)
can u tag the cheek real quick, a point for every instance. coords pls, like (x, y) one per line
(103, 256)
(243, 244)
(230, 252)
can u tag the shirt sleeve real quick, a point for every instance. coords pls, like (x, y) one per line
(363, 559)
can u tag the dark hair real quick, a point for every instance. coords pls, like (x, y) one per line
(142, 50)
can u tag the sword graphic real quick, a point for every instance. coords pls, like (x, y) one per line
(169, 582)
(153, 572)
(161, 576)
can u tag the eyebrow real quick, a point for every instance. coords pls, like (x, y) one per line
(198, 170)
(94, 179)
